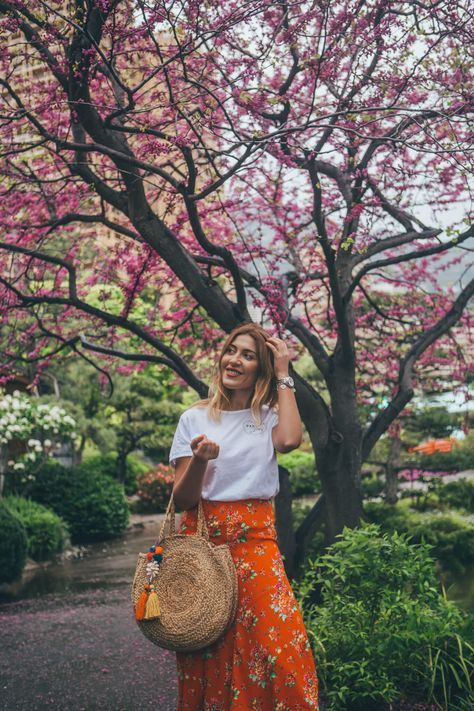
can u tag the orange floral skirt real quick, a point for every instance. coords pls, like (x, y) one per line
(264, 660)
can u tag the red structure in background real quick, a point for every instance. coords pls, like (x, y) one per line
(434, 445)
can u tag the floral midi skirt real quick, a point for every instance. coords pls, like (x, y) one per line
(264, 660)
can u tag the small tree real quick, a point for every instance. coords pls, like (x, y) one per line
(434, 421)
(30, 431)
(125, 410)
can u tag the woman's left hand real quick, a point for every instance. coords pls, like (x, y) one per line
(281, 356)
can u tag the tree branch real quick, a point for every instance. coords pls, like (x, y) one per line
(296, 326)
(407, 257)
(405, 387)
(101, 219)
(394, 211)
(198, 385)
(394, 241)
(73, 300)
(340, 307)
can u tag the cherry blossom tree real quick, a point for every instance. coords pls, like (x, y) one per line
(172, 169)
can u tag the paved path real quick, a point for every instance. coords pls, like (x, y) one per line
(78, 647)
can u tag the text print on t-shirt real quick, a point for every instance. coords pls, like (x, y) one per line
(251, 428)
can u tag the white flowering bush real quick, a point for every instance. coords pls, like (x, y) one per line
(31, 430)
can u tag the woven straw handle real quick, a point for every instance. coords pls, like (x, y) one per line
(170, 519)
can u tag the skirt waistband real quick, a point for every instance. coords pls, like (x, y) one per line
(234, 521)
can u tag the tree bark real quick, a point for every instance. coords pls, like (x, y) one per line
(121, 469)
(284, 522)
(340, 484)
(304, 535)
(393, 465)
(339, 462)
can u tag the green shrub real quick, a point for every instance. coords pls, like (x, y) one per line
(302, 468)
(423, 499)
(316, 545)
(154, 490)
(383, 632)
(13, 545)
(458, 459)
(451, 536)
(389, 518)
(106, 464)
(300, 511)
(468, 628)
(92, 504)
(46, 532)
(458, 494)
(101, 464)
(452, 539)
(136, 466)
(371, 485)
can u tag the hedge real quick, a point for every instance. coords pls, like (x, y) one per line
(46, 532)
(13, 545)
(93, 505)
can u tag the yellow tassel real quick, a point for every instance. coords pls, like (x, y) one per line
(152, 606)
(141, 605)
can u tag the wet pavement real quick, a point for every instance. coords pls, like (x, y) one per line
(68, 639)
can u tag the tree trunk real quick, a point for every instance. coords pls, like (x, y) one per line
(336, 439)
(340, 483)
(121, 469)
(393, 465)
(339, 462)
(304, 535)
(294, 544)
(80, 450)
(284, 523)
(3, 467)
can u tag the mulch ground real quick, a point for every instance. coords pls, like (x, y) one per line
(81, 651)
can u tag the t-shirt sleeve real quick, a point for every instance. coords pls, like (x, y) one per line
(181, 445)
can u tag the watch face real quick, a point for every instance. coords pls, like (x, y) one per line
(290, 381)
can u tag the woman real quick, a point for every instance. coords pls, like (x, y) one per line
(224, 451)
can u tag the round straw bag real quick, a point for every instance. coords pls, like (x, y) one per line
(184, 591)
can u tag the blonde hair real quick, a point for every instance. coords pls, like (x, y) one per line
(265, 386)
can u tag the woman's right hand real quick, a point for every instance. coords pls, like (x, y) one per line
(204, 449)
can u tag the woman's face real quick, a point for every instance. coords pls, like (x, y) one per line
(239, 364)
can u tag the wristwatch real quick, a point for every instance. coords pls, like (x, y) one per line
(287, 382)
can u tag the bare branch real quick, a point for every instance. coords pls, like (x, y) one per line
(93, 219)
(198, 385)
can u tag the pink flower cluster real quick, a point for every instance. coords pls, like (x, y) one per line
(416, 474)
(155, 487)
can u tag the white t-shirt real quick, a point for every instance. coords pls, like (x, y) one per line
(246, 467)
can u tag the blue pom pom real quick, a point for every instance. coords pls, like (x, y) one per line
(152, 549)
(158, 557)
